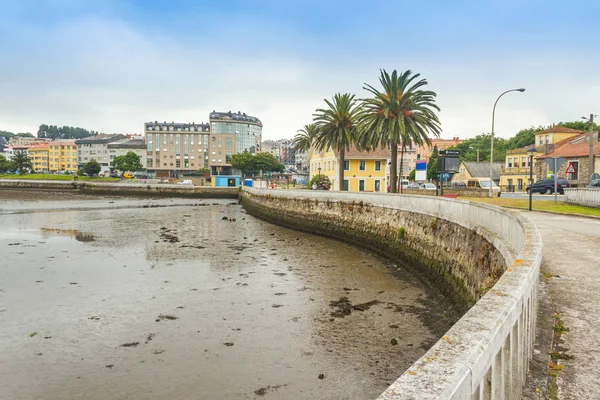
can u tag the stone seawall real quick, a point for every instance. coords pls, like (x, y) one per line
(474, 252)
(428, 245)
(122, 189)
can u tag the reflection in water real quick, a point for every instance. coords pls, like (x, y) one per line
(181, 302)
(77, 235)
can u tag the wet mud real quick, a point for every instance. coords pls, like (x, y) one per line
(117, 298)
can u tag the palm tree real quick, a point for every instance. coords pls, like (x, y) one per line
(336, 128)
(304, 138)
(20, 161)
(401, 114)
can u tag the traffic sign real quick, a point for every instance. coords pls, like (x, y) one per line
(571, 169)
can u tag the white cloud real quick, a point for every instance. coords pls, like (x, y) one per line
(106, 74)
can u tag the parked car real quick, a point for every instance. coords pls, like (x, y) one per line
(595, 184)
(185, 182)
(547, 186)
(413, 185)
(458, 185)
(428, 186)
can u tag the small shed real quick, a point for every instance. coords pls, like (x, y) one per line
(226, 180)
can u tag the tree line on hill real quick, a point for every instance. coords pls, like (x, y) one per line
(523, 138)
(53, 132)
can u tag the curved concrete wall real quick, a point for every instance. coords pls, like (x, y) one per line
(486, 353)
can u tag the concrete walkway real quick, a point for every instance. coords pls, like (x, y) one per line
(571, 281)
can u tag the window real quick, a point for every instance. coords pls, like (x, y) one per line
(346, 166)
(378, 182)
(547, 139)
(523, 161)
(362, 165)
(361, 185)
(377, 168)
(509, 162)
(346, 184)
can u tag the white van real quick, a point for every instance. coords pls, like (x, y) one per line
(185, 182)
(484, 183)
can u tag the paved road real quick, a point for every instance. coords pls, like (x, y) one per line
(572, 255)
(536, 196)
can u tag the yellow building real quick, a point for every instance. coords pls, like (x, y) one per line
(363, 171)
(514, 176)
(62, 156)
(39, 156)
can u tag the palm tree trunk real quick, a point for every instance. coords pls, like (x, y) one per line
(401, 164)
(394, 168)
(341, 169)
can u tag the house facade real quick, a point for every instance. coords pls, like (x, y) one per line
(473, 170)
(575, 167)
(363, 171)
(96, 148)
(39, 157)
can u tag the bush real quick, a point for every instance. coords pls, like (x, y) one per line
(322, 182)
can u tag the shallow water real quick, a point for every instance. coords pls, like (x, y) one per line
(121, 298)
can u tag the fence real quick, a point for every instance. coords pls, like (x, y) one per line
(583, 196)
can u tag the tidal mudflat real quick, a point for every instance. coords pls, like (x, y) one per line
(122, 298)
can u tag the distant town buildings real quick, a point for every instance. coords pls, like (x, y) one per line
(174, 148)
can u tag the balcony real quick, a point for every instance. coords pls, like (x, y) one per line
(515, 170)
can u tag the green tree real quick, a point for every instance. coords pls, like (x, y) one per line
(304, 138)
(204, 172)
(242, 161)
(402, 114)
(130, 162)
(412, 175)
(432, 164)
(336, 128)
(64, 132)
(20, 162)
(266, 162)
(4, 164)
(92, 168)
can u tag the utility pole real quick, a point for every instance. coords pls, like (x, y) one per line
(591, 160)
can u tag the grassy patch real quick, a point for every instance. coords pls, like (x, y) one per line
(53, 177)
(540, 205)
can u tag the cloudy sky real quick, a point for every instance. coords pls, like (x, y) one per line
(111, 65)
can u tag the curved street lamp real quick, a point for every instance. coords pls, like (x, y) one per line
(492, 144)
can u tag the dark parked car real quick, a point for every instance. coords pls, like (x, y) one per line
(595, 184)
(547, 186)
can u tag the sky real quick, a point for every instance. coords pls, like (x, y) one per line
(111, 65)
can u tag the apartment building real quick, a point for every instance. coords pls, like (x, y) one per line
(96, 148)
(62, 156)
(232, 133)
(38, 155)
(133, 143)
(172, 148)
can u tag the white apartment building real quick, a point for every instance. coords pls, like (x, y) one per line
(96, 148)
(135, 144)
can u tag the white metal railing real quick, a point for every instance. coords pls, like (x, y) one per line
(485, 355)
(583, 196)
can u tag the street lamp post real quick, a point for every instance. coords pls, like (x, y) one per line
(471, 147)
(591, 142)
(319, 172)
(531, 152)
(492, 141)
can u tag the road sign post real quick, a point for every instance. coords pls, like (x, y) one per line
(555, 163)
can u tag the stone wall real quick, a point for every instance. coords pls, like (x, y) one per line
(123, 189)
(431, 246)
(463, 247)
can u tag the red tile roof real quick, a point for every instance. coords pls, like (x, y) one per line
(378, 153)
(559, 129)
(574, 150)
